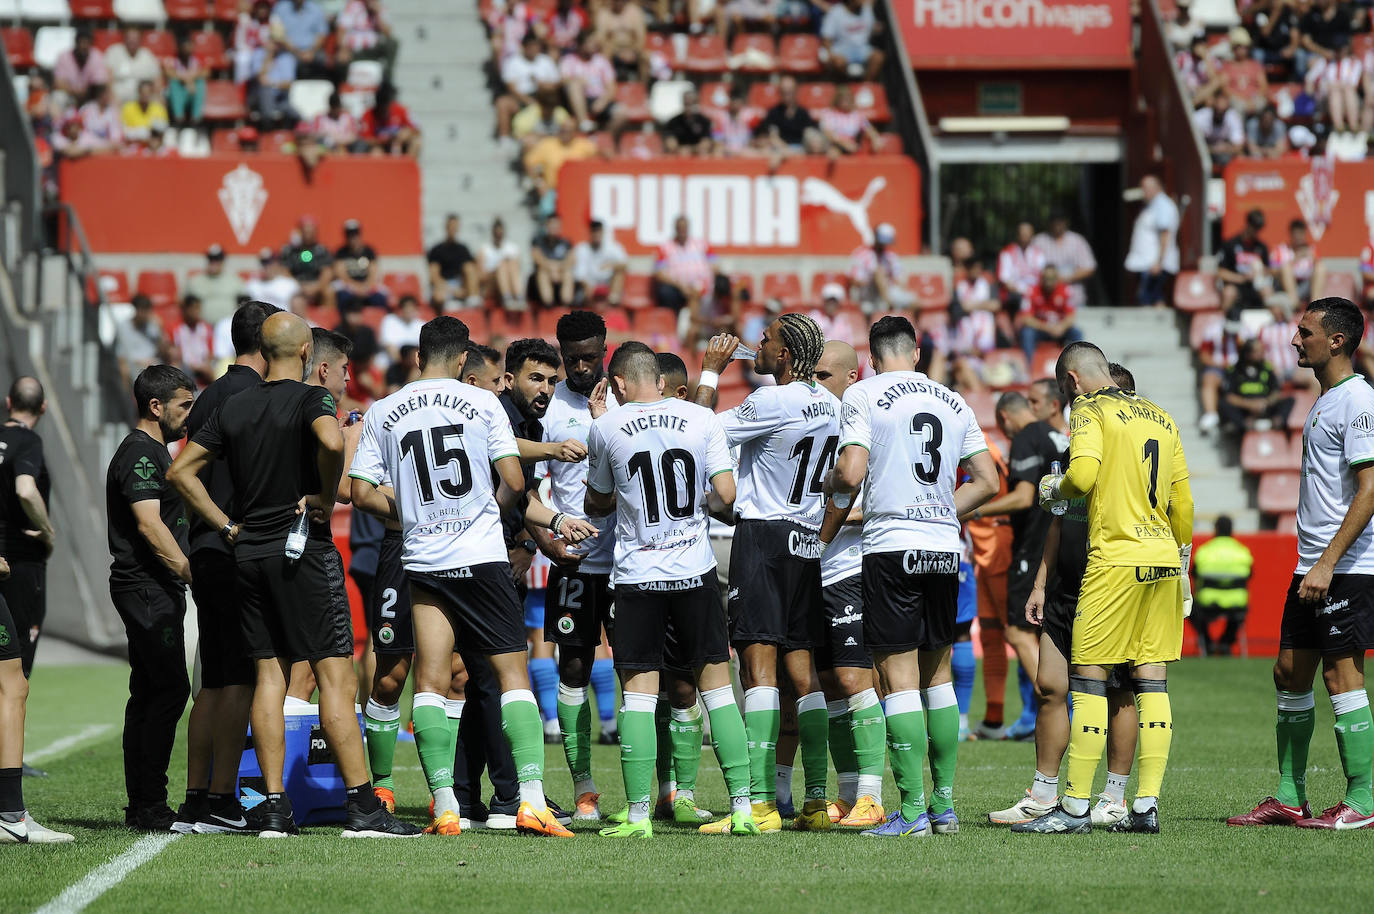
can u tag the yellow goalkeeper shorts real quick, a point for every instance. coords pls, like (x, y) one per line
(1128, 614)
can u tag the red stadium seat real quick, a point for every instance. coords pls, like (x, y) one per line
(512, 325)
(1204, 325)
(785, 287)
(326, 316)
(633, 102)
(1046, 355)
(187, 10)
(638, 144)
(657, 42)
(821, 277)
(763, 96)
(871, 99)
(120, 293)
(1361, 44)
(1302, 405)
(91, 9)
(815, 96)
(18, 47)
(799, 54)
(225, 10)
(984, 406)
(931, 290)
(104, 39)
(1195, 291)
(225, 139)
(209, 47)
(1278, 492)
(372, 317)
(162, 43)
(741, 282)
(637, 292)
(888, 144)
(715, 98)
(1014, 358)
(759, 43)
(657, 327)
(1264, 451)
(224, 101)
(158, 285)
(169, 315)
(932, 322)
(1340, 285)
(605, 142)
(705, 54)
(546, 322)
(402, 284)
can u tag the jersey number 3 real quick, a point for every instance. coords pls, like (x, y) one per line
(927, 427)
(439, 457)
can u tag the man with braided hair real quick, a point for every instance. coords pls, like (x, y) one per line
(787, 436)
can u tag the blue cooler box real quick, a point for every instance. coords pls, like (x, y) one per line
(313, 782)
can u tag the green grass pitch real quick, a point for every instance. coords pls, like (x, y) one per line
(1222, 762)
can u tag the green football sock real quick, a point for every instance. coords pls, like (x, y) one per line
(381, 723)
(762, 721)
(432, 739)
(942, 727)
(869, 729)
(638, 749)
(841, 739)
(1355, 739)
(575, 723)
(453, 710)
(1293, 728)
(685, 732)
(663, 766)
(524, 731)
(729, 740)
(813, 726)
(906, 742)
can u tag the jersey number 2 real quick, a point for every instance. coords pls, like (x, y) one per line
(679, 504)
(440, 456)
(1152, 455)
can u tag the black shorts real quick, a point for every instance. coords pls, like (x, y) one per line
(389, 612)
(9, 635)
(775, 584)
(841, 642)
(25, 590)
(481, 604)
(1344, 622)
(223, 650)
(576, 606)
(911, 599)
(296, 610)
(1020, 583)
(645, 612)
(1058, 626)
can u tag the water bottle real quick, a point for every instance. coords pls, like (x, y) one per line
(743, 352)
(295, 540)
(1057, 508)
(842, 499)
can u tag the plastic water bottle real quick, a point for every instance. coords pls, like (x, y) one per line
(743, 352)
(842, 499)
(1057, 508)
(295, 540)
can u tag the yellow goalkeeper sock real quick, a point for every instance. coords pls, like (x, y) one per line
(1156, 733)
(1087, 741)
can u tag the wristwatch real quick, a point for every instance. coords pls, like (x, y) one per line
(529, 546)
(226, 530)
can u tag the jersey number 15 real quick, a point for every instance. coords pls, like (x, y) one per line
(440, 456)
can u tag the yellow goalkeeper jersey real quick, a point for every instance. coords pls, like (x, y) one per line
(1141, 459)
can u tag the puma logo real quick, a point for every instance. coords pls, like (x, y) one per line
(815, 192)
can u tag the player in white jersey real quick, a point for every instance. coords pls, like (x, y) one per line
(786, 435)
(1328, 617)
(434, 439)
(659, 464)
(904, 437)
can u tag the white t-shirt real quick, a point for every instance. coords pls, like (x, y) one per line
(1159, 215)
(916, 432)
(526, 75)
(436, 440)
(279, 290)
(848, 32)
(596, 266)
(490, 256)
(397, 331)
(844, 557)
(658, 459)
(568, 417)
(223, 341)
(787, 437)
(1337, 437)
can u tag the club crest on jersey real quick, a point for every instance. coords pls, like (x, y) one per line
(566, 625)
(1364, 422)
(386, 634)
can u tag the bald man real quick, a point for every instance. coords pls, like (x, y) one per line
(284, 452)
(26, 532)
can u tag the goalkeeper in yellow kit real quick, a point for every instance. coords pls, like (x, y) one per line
(1126, 459)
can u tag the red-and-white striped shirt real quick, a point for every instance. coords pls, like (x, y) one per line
(1219, 344)
(863, 265)
(537, 578)
(360, 29)
(1019, 268)
(1303, 264)
(565, 30)
(196, 343)
(249, 33)
(1278, 346)
(511, 24)
(1323, 74)
(596, 73)
(845, 124)
(972, 291)
(976, 333)
(335, 131)
(691, 264)
(734, 133)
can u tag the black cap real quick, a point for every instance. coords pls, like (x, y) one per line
(214, 252)
(352, 227)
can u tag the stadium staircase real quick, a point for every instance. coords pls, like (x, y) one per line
(441, 75)
(1147, 342)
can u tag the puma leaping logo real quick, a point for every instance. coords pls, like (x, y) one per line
(815, 192)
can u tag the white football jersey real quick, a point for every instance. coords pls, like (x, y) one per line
(1337, 437)
(787, 439)
(436, 439)
(917, 432)
(658, 459)
(844, 557)
(568, 417)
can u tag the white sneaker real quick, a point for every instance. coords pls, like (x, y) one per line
(1208, 422)
(27, 831)
(1026, 809)
(993, 733)
(1107, 811)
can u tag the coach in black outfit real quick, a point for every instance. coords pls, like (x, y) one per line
(26, 534)
(149, 571)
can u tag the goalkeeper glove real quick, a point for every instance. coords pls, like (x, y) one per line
(1049, 489)
(1185, 559)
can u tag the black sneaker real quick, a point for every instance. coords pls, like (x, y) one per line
(1137, 823)
(473, 814)
(274, 819)
(188, 812)
(29, 771)
(501, 813)
(150, 818)
(225, 818)
(1056, 822)
(564, 819)
(378, 824)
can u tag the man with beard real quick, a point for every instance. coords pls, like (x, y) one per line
(149, 537)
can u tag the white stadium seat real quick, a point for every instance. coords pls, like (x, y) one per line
(50, 41)
(665, 99)
(365, 74)
(310, 97)
(140, 10)
(45, 10)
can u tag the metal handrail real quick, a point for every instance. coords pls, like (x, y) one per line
(23, 181)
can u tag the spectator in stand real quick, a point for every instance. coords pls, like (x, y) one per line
(1153, 254)
(103, 118)
(303, 27)
(1297, 265)
(129, 64)
(336, 129)
(523, 75)
(140, 340)
(145, 115)
(1335, 84)
(275, 285)
(363, 32)
(156, 145)
(733, 129)
(185, 76)
(401, 328)
(1244, 268)
(545, 160)
(508, 24)
(499, 262)
(847, 34)
(453, 278)
(551, 284)
(689, 131)
(1218, 352)
(73, 141)
(1254, 395)
(194, 342)
(355, 270)
(565, 28)
(216, 288)
(363, 359)
(252, 34)
(788, 128)
(1200, 71)
(1266, 135)
(622, 31)
(387, 125)
(875, 273)
(1070, 254)
(1183, 30)
(975, 319)
(267, 97)
(1277, 337)
(590, 85)
(1018, 268)
(1048, 315)
(1244, 76)
(1367, 272)
(81, 68)
(310, 263)
(684, 270)
(1274, 26)
(599, 265)
(843, 126)
(718, 311)
(752, 15)
(541, 119)
(835, 322)
(1326, 27)
(1222, 130)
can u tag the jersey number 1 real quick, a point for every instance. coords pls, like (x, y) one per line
(1152, 455)
(413, 444)
(679, 504)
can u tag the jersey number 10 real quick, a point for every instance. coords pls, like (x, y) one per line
(677, 470)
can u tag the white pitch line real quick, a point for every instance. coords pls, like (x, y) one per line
(106, 876)
(59, 746)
